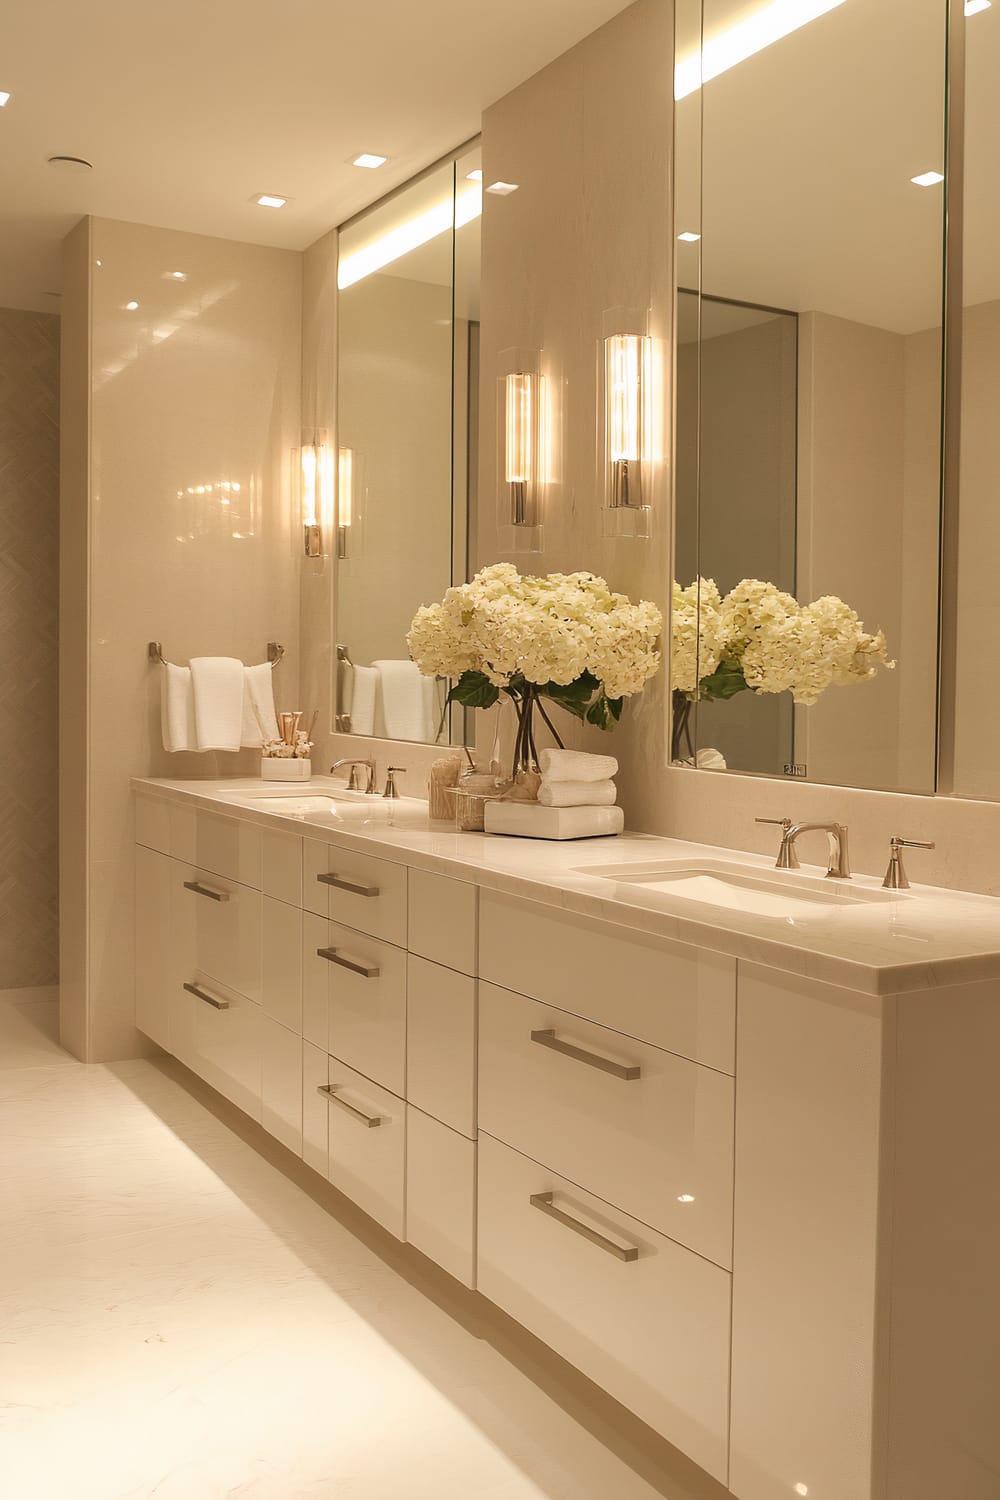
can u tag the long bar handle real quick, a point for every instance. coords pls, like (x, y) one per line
(367, 971)
(356, 887)
(193, 989)
(549, 1039)
(331, 1095)
(205, 890)
(543, 1202)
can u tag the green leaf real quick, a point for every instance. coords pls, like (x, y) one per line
(604, 712)
(725, 682)
(572, 696)
(474, 690)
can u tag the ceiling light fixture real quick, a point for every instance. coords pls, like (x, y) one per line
(175, 276)
(766, 25)
(476, 176)
(131, 306)
(369, 159)
(689, 236)
(972, 8)
(410, 235)
(4, 98)
(269, 200)
(928, 179)
(503, 189)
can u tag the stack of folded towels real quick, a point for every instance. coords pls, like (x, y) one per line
(572, 778)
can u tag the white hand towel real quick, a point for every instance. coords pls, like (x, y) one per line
(577, 793)
(258, 694)
(576, 765)
(407, 701)
(364, 685)
(218, 686)
(176, 708)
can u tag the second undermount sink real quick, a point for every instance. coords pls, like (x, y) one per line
(787, 894)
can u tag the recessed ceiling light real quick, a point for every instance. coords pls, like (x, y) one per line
(476, 176)
(131, 306)
(503, 189)
(685, 1198)
(972, 8)
(689, 237)
(928, 179)
(369, 159)
(4, 97)
(269, 200)
(175, 276)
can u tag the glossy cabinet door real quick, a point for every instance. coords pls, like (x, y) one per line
(223, 1043)
(640, 1315)
(354, 1000)
(281, 1083)
(154, 954)
(358, 890)
(441, 1043)
(217, 929)
(642, 1128)
(367, 1145)
(281, 962)
(442, 920)
(441, 1195)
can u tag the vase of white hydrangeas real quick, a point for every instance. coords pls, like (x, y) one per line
(758, 639)
(561, 639)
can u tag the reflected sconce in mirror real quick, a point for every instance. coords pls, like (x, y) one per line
(315, 489)
(345, 498)
(626, 383)
(520, 450)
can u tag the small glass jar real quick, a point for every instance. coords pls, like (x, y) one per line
(474, 790)
(444, 775)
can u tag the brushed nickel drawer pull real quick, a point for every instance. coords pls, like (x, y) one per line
(332, 956)
(543, 1202)
(592, 1059)
(193, 989)
(356, 887)
(331, 1095)
(205, 890)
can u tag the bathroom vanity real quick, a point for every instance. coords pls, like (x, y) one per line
(720, 1135)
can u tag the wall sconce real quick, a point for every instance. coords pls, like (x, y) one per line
(315, 470)
(520, 450)
(626, 400)
(345, 498)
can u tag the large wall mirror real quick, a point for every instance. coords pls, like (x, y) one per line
(407, 425)
(810, 229)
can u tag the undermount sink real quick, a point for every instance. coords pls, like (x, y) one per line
(345, 807)
(785, 895)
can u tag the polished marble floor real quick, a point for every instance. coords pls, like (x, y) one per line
(179, 1319)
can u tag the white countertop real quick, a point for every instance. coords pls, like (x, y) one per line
(918, 940)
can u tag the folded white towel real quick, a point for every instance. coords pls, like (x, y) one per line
(176, 708)
(362, 686)
(258, 694)
(407, 701)
(577, 793)
(218, 685)
(576, 765)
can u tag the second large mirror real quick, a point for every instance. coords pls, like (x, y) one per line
(810, 231)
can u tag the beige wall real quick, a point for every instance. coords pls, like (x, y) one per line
(29, 625)
(201, 383)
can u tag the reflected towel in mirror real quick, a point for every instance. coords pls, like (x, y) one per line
(407, 701)
(360, 688)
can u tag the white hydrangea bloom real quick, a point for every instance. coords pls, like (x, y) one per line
(697, 634)
(548, 629)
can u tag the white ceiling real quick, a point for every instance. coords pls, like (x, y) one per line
(188, 110)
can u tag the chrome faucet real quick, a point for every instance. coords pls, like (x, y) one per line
(354, 780)
(838, 867)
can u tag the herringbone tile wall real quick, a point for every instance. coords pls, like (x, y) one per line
(29, 604)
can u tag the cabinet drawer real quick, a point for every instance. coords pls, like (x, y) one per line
(281, 1083)
(223, 846)
(441, 1043)
(281, 865)
(221, 1041)
(367, 1137)
(354, 999)
(670, 994)
(441, 1195)
(442, 920)
(216, 928)
(642, 1128)
(281, 962)
(355, 889)
(653, 1330)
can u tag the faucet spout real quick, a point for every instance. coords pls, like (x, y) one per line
(838, 865)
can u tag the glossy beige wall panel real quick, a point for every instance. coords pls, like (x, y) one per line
(74, 578)
(319, 410)
(198, 385)
(808, 1106)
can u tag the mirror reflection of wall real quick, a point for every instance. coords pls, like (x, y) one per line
(810, 145)
(408, 317)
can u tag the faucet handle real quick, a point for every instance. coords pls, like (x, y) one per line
(391, 790)
(895, 875)
(787, 857)
(784, 823)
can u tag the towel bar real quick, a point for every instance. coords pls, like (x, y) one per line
(275, 651)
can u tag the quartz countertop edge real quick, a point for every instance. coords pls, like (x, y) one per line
(964, 949)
